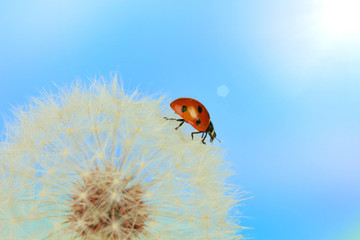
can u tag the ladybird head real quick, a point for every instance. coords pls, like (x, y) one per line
(211, 131)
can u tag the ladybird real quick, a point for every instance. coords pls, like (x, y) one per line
(194, 113)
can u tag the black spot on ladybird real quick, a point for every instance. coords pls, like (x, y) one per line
(198, 122)
(183, 109)
(199, 109)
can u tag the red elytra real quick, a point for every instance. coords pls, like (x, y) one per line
(194, 113)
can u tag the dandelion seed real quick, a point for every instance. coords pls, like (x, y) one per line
(94, 163)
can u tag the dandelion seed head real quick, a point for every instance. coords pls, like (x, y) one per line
(114, 195)
(97, 163)
(98, 211)
(115, 226)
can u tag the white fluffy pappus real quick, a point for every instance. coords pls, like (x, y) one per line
(95, 163)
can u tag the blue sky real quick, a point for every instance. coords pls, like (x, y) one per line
(290, 122)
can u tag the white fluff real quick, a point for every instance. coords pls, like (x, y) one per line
(73, 144)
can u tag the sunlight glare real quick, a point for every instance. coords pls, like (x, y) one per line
(340, 19)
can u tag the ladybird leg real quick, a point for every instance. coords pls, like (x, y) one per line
(182, 122)
(203, 140)
(166, 118)
(192, 134)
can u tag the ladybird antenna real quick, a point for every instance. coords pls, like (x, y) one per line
(218, 140)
